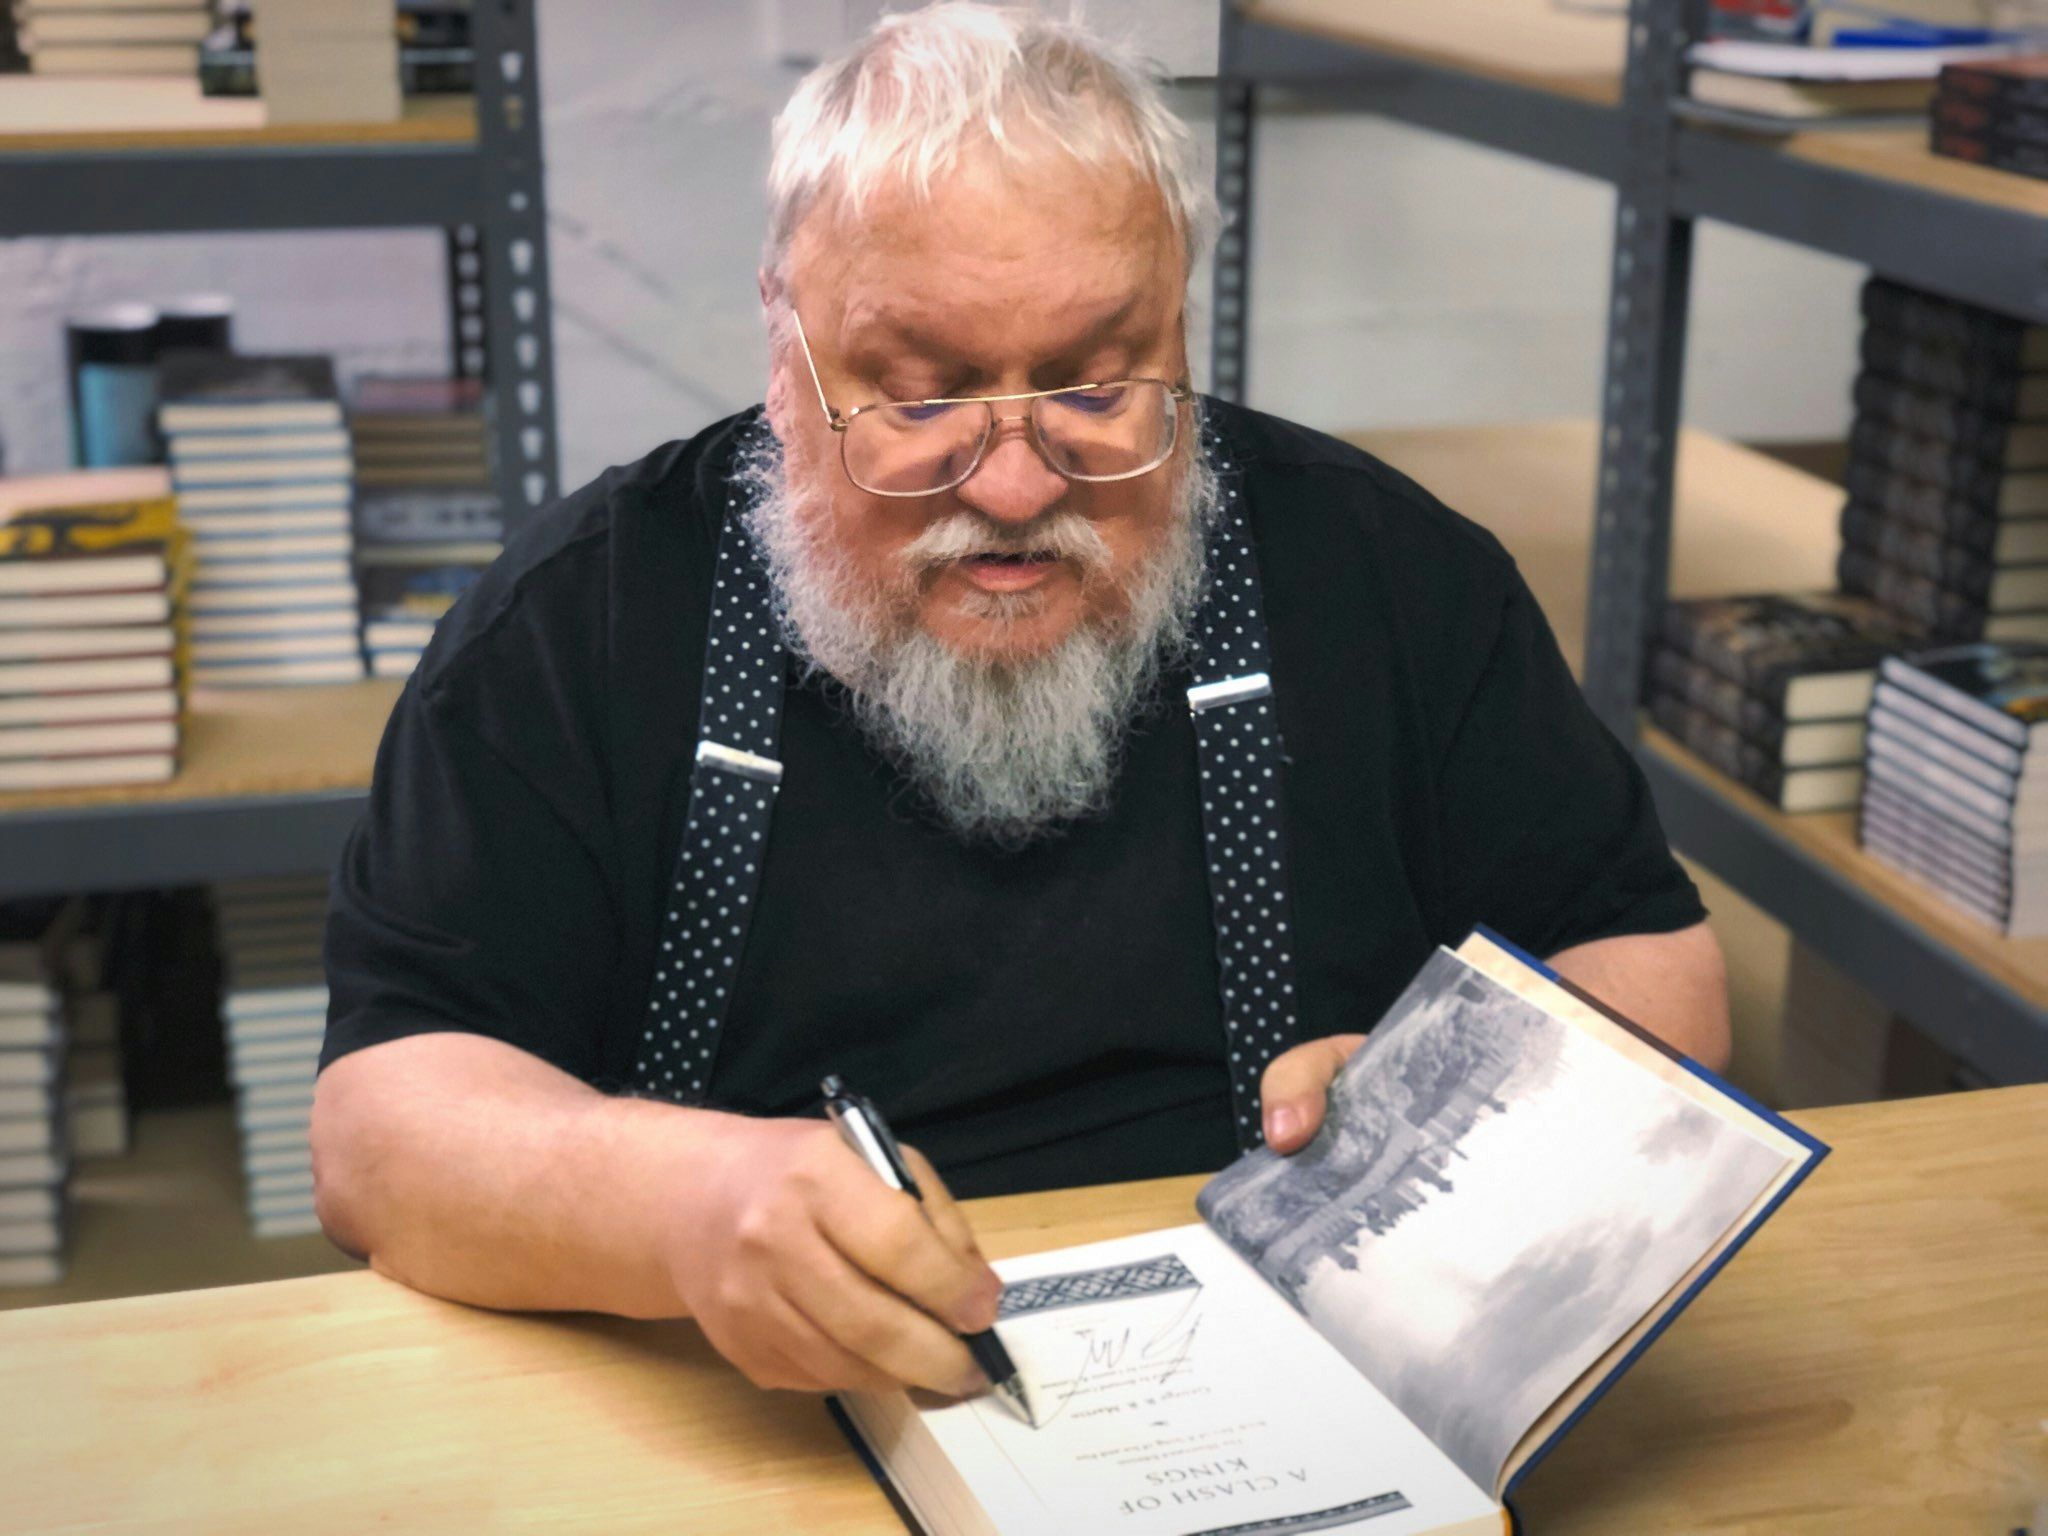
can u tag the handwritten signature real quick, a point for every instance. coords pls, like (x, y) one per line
(1169, 1350)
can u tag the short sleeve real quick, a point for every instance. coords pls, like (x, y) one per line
(1551, 838)
(465, 900)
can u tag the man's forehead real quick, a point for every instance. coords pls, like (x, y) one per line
(1078, 250)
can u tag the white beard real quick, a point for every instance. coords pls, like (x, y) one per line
(1006, 749)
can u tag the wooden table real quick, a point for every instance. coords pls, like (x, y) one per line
(1870, 1364)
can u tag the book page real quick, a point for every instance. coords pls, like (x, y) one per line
(1176, 1396)
(1497, 1197)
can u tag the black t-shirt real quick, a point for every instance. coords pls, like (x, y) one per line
(1028, 1018)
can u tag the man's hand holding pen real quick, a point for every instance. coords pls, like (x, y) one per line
(807, 1272)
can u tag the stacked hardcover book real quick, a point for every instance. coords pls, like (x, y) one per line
(322, 61)
(1946, 521)
(274, 1012)
(1773, 689)
(1957, 799)
(130, 37)
(435, 56)
(93, 573)
(95, 1093)
(34, 1165)
(427, 522)
(264, 474)
(1994, 112)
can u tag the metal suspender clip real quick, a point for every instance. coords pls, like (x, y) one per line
(1230, 690)
(746, 765)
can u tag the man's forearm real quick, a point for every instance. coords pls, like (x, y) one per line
(482, 1174)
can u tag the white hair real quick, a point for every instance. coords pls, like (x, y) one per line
(925, 85)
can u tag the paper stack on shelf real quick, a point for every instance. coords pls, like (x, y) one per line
(1957, 799)
(327, 61)
(1994, 113)
(34, 1166)
(263, 470)
(130, 37)
(1797, 85)
(426, 521)
(93, 576)
(274, 1012)
(1772, 689)
(1946, 522)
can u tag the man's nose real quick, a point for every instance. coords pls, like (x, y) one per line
(1012, 483)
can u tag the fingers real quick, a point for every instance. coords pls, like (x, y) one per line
(1295, 1086)
(785, 1349)
(879, 1328)
(942, 1209)
(888, 1236)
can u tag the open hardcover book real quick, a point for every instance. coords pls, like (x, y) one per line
(1513, 1193)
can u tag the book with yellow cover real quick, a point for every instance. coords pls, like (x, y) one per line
(93, 572)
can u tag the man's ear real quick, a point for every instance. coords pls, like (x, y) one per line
(765, 281)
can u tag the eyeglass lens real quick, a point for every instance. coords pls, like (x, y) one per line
(1093, 434)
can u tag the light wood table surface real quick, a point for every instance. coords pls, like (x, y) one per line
(1875, 1362)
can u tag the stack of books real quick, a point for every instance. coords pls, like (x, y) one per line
(427, 522)
(1772, 689)
(93, 573)
(95, 1090)
(33, 1163)
(127, 37)
(264, 473)
(326, 61)
(1946, 521)
(418, 431)
(1956, 798)
(435, 53)
(1994, 112)
(274, 1012)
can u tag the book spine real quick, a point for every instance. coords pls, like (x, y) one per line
(1925, 506)
(1720, 698)
(1895, 730)
(1963, 476)
(1939, 418)
(1926, 721)
(1999, 151)
(1944, 610)
(1924, 318)
(1911, 679)
(1977, 82)
(1984, 382)
(1916, 550)
(1992, 118)
(1720, 745)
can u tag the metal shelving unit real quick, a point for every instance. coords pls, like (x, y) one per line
(1950, 230)
(483, 183)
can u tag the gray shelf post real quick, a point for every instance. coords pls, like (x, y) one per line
(519, 357)
(1236, 117)
(1639, 407)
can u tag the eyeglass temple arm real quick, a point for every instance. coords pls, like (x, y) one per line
(832, 418)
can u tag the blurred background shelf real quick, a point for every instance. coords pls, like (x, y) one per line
(156, 156)
(169, 1216)
(272, 779)
(1744, 521)
(1515, 75)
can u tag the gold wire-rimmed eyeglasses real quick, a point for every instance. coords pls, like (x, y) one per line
(1115, 430)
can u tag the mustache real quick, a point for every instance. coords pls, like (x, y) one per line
(963, 535)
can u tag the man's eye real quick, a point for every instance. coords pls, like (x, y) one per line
(916, 413)
(1093, 402)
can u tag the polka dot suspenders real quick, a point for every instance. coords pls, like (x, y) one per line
(734, 779)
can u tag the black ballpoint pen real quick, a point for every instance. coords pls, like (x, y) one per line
(862, 1127)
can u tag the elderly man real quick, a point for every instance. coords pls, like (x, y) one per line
(1073, 764)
